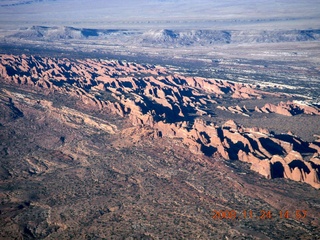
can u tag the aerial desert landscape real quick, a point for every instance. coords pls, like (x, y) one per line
(159, 125)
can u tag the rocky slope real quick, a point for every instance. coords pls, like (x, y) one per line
(172, 106)
(69, 172)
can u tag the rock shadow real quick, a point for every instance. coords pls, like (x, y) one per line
(277, 170)
(208, 150)
(299, 164)
(272, 147)
(235, 148)
(302, 147)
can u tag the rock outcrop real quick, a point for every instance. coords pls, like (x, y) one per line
(289, 108)
(236, 110)
(167, 102)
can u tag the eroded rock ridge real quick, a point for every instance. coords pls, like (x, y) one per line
(173, 105)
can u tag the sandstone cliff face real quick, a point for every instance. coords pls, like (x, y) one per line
(263, 167)
(152, 97)
(234, 142)
(289, 108)
(167, 89)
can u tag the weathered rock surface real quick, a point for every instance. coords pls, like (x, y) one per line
(153, 97)
(289, 108)
(236, 110)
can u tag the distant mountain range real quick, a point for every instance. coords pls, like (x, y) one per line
(6, 3)
(166, 37)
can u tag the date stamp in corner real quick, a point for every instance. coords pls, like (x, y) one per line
(258, 215)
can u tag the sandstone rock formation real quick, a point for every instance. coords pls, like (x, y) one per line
(289, 108)
(236, 110)
(151, 96)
